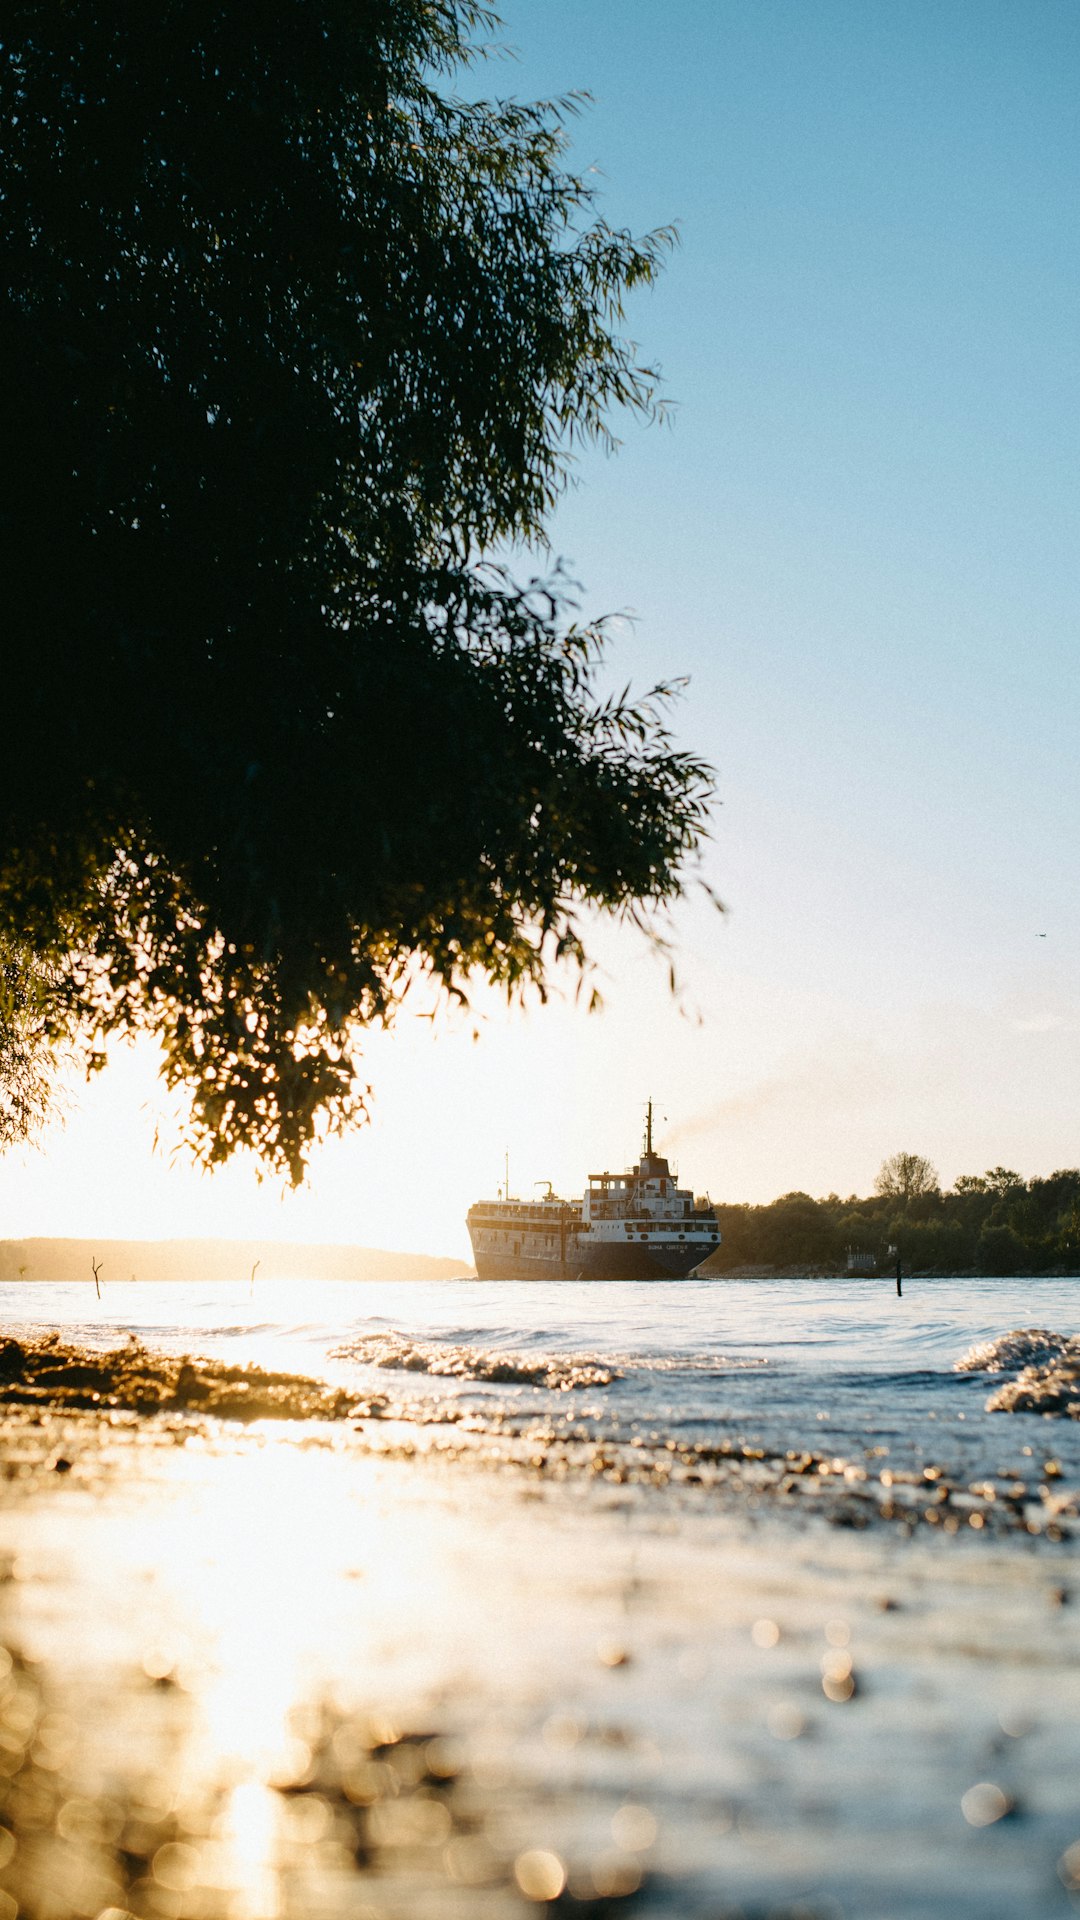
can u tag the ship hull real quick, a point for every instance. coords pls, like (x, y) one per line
(603, 1262)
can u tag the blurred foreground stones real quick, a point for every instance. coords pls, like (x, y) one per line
(364, 1822)
(483, 1669)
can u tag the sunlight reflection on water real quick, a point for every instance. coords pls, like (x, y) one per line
(269, 1640)
(267, 1593)
(368, 1689)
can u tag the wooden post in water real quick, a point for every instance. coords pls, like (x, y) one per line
(899, 1278)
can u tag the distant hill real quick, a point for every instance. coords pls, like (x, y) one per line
(215, 1260)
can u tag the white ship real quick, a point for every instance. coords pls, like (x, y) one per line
(639, 1225)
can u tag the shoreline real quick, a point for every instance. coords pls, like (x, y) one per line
(885, 1278)
(480, 1614)
(462, 1274)
(210, 1261)
(45, 1380)
(385, 1683)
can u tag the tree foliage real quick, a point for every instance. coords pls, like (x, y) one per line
(1000, 1250)
(981, 1226)
(906, 1176)
(1002, 1180)
(26, 1095)
(294, 343)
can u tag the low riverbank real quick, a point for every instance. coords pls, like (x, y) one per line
(883, 1276)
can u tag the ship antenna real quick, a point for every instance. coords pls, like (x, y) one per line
(648, 1129)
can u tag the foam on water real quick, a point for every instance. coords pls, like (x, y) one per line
(559, 1372)
(1025, 1346)
(778, 1364)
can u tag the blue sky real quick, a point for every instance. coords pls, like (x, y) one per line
(859, 537)
(860, 534)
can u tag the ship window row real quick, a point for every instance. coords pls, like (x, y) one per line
(516, 1216)
(487, 1236)
(636, 1221)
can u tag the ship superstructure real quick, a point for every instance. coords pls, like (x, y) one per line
(639, 1225)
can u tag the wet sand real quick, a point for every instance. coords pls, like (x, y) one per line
(387, 1668)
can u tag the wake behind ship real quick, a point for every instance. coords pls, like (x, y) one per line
(627, 1226)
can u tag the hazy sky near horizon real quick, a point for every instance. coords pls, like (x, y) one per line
(859, 538)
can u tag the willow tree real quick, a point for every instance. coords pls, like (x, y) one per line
(26, 1093)
(295, 341)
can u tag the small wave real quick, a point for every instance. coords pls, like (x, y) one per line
(1046, 1366)
(458, 1360)
(896, 1377)
(562, 1372)
(707, 1363)
(1023, 1347)
(1054, 1388)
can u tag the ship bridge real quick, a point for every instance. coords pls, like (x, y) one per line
(650, 1192)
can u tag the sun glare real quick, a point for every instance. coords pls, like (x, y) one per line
(285, 1587)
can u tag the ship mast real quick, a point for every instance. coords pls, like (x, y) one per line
(648, 1131)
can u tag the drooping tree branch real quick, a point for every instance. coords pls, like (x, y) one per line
(293, 341)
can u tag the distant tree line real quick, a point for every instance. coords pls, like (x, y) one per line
(993, 1223)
